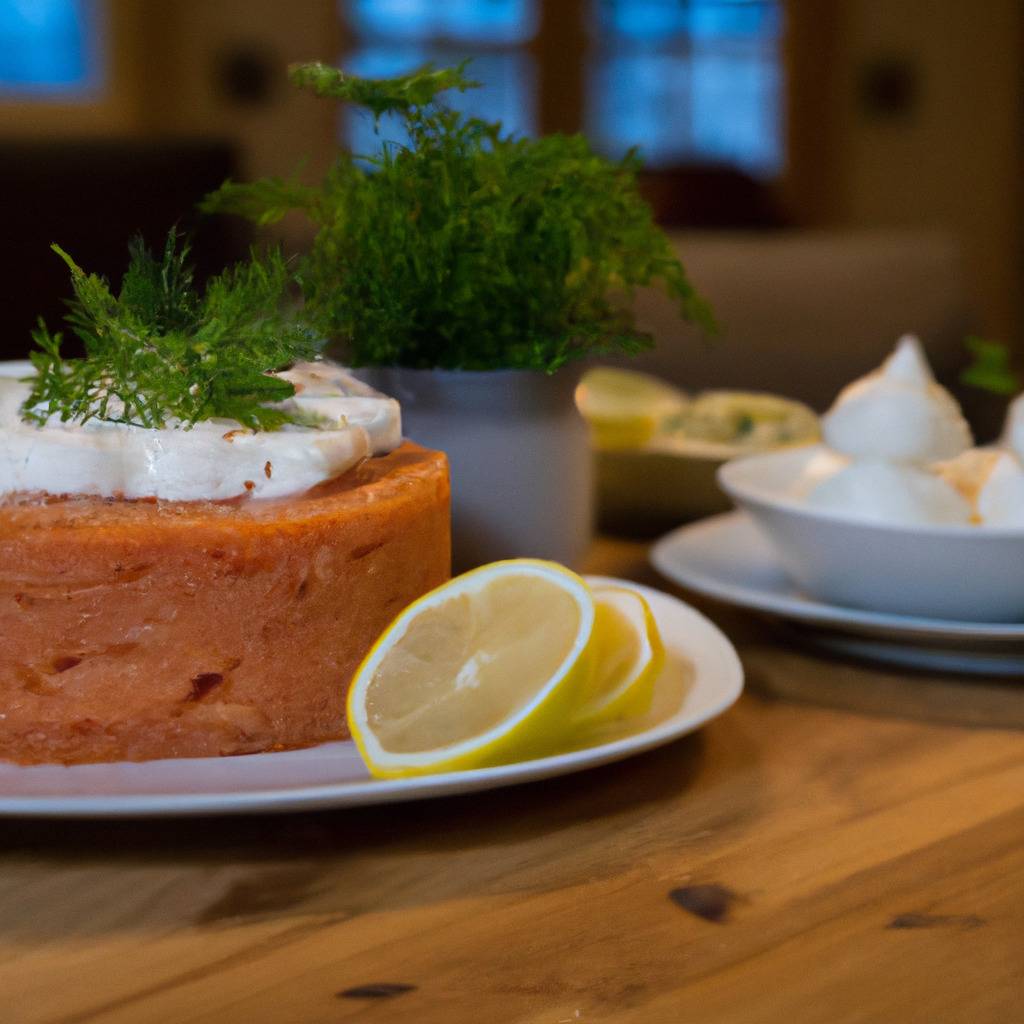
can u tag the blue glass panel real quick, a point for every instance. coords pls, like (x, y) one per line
(736, 114)
(715, 19)
(481, 21)
(663, 20)
(48, 46)
(507, 93)
(642, 99)
(642, 19)
(688, 81)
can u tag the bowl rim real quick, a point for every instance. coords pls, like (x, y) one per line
(755, 497)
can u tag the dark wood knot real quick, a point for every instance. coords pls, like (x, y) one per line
(378, 990)
(710, 902)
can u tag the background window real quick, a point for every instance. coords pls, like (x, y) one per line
(689, 81)
(392, 37)
(49, 47)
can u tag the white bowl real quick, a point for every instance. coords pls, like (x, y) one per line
(971, 573)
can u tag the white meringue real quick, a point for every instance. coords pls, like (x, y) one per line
(887, 492)
(898, 413)
(1013, 431)
(1001, 496)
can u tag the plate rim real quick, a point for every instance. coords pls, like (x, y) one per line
(362, 793)
(804, 608)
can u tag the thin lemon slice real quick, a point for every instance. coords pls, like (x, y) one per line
(625, 409)
(484, 670)
(628, 658)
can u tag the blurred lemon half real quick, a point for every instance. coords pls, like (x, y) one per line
(629, 657)
(624, 408)
(486, 669)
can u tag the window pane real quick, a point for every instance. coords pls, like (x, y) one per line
(642, 19)
(665, 19)
(688, 81)
(506, 95)
(736, 117)
(480, 21)
(48, 46)
(642, 99)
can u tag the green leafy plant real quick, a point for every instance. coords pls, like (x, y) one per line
(159, 352)
(466, 248)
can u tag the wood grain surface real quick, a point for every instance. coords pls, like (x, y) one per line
(845, 845)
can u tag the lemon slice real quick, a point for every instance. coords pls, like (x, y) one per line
(625, 409)
(486, 669)
(629, 656)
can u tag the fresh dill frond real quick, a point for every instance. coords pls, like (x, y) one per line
(467, 248)
(159, 352)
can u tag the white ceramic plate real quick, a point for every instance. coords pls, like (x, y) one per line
(728, 558)
(702, 678)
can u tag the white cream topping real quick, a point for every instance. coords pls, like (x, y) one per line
(898, 412)
(213, 460)
(888, 492)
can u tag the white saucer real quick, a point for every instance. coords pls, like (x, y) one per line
(702, 677)
(727, 558)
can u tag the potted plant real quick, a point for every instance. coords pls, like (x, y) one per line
(467, 271)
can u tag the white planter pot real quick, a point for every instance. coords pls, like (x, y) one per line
(519, 455)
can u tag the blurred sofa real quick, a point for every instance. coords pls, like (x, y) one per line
(804, 312)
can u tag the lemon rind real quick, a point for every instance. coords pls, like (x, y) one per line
(634, 694)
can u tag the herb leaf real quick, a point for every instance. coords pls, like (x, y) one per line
(467, 248)
(381, 96)
(991, 369)
(159, 352)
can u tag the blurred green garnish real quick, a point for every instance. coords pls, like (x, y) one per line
(991, 369)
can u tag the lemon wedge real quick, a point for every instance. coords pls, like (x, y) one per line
(629, 656)
(487, 669)
(625, 409)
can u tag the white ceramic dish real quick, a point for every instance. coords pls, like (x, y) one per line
(730, 559)
(968, 573)
(702, 678)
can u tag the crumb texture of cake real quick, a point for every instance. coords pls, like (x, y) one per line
(137, 630)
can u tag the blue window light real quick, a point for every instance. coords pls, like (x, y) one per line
(49, 48)
(397, 36)
(689, 81)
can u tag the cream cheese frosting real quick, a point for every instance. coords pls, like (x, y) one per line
(212, 460)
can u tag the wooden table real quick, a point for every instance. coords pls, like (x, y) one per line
(845, 845)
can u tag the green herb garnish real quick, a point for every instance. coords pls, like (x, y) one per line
(990, 369)
(469, 249)
(160, 352)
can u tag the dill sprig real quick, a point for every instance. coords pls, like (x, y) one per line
(467, 248)
(159, 352)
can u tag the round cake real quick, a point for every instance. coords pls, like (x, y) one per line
(138, 629)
